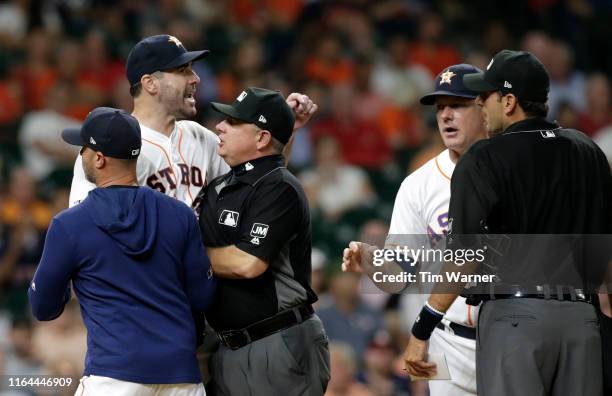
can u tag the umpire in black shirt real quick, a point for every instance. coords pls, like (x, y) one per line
(255, 222)
(532, 181)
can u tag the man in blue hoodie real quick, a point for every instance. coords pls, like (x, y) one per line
(137, 263)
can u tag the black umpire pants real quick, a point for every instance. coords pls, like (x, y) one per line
(536, 347)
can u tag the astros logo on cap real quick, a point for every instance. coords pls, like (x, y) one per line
(172, 39)
(446, 77)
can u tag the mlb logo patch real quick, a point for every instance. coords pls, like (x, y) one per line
(259, 230)
(229, 218)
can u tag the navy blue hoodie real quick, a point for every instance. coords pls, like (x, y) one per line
(138, 267)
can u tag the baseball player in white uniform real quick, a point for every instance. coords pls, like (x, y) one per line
(178, 156)
(421, 207)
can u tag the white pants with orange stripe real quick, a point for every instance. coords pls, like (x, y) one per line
(460, 355)
(94, 385)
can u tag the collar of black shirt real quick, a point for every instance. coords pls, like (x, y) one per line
(532, 124)
(251, 171)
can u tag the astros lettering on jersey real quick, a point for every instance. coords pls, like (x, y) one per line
(421, 207)
(178, 165)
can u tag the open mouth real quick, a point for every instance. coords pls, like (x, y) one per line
(450, 130)
(189, 97)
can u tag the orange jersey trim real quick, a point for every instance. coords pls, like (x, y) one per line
(163, 150)
(469, 308)
(440, 169)
(185, 162)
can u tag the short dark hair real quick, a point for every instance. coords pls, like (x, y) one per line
(126, 163)
(277, 145)
(135, 90)
(533, 109)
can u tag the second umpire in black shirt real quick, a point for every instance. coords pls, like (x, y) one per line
(538, 185)
(255, 222)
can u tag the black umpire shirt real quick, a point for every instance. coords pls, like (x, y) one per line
(533, 178)
(260, 207)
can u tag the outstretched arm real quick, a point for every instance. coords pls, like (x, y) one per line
(359, 257)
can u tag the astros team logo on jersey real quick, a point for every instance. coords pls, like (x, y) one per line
(166, 178)
(229, 218)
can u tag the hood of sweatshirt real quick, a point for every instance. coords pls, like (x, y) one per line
(128, 215)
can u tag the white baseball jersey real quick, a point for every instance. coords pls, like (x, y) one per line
(421, 207)
(178, 165)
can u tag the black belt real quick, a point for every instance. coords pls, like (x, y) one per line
(559, 297)
(459, 330)
(235, 339)
(543, 292)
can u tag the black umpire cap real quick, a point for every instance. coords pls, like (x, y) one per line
(265, 108)
(113, 132)
(450, 83)
(516, 72)
(158, 53)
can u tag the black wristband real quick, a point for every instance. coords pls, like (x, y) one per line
(425, 323)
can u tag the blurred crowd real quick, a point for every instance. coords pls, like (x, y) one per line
(365, 62)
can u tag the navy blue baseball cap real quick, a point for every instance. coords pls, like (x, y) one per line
(158, 53)
(113, 132)
(450, 83)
